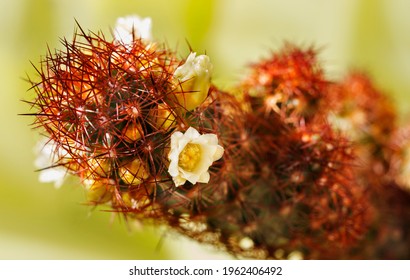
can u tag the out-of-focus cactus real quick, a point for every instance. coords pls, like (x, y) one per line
(368, 118)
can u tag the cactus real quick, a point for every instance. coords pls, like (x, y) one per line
(286, 163)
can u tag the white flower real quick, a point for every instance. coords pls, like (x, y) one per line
(46, 155)
(132, 27)
(194, 77)
(191, 155)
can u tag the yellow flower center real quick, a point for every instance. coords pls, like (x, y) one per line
(190, 157)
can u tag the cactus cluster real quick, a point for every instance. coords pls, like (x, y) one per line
(287, 162)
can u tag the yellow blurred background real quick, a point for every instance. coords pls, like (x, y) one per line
(38, 221)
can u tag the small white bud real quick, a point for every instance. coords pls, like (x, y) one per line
(129, 28)
(194, 78)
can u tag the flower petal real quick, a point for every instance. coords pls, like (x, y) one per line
(178, 181)
(191, 133)
(192, 177)
(204, 178)
(219, 153)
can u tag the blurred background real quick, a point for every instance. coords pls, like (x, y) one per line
(38, 221)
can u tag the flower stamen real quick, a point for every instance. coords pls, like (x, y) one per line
(190, 157)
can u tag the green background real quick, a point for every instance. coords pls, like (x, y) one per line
(38, 221)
